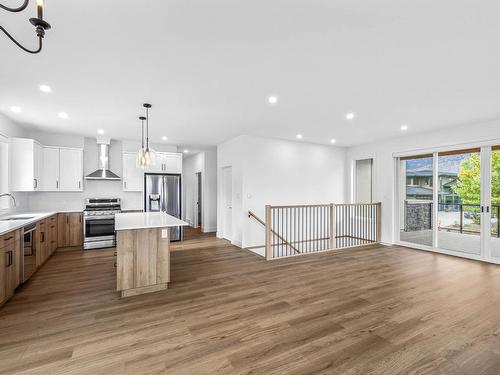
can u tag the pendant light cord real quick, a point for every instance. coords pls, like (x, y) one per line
(19, 44)
(142, 134)
(20, 9)
(147, 128)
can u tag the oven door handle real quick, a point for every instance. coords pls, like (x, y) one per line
(99, 217)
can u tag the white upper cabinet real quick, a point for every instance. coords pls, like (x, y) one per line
(70, 169)
(132, 175)
(25, 164)
(173, 163)
(167, 162)
(49, 179)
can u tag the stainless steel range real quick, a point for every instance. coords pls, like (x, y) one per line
(99, 222)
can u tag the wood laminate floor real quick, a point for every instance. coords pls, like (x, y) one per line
(376, 310)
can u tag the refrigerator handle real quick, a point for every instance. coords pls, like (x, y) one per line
(165, 197)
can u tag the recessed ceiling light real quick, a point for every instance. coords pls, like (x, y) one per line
(15, 109)
(100, 131)
(350, 116)
(45, 88)
(272, 100)
(186, 151)
(332, 141)
(299, 136)
(164, 138)
(404, 127)
(63, 115)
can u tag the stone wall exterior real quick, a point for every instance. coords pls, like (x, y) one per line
(418, 216)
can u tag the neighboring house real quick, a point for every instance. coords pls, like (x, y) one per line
(419, 186)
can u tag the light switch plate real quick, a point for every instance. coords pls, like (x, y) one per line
(164, 233)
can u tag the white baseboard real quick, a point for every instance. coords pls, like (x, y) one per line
(237, 243)
(210, 229)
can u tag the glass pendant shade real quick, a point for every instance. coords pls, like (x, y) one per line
(150, 157)
(139, 160)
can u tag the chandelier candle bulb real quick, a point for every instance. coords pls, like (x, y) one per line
(39, 6)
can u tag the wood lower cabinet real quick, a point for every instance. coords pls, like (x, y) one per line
(46, 239)
(10, 264)
(69, 229)
(60, 230)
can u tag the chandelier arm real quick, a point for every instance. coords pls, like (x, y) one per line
(20, 45)
(20, 9)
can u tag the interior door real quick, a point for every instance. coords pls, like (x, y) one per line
(198, 206)
(227, 203)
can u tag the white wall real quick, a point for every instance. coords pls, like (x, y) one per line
(384, 169)
(8, 128)
(206, 163)
(271, 171)
(210, 191)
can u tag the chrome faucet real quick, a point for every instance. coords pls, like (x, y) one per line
(11, 197)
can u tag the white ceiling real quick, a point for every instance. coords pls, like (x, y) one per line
(209, 66)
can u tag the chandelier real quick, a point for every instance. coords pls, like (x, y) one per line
(38, 22)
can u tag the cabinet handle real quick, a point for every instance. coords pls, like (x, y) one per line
(9, 258)
(80, 218)
(79, 184)
(57, 184)
(125, 183)
(34, 183)
(67, 219)
(9, 238)
(43, 237)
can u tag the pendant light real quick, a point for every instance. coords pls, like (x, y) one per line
(140, 161)
(149, 153)
(39, 23)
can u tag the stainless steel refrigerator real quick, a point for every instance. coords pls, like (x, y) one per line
(162, 193)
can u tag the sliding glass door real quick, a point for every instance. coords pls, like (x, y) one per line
(451, 201)
(416, 199)
(494, 211)
(459, 201)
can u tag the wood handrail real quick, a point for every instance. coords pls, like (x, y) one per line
(251, 214)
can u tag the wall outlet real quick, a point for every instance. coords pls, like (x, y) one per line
(164, 233)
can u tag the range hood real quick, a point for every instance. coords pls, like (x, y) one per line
(103, 173)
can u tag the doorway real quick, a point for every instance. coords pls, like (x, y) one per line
(363, 181)
(199, 201)
(227, 203)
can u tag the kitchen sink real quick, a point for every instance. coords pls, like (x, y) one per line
(18, 218)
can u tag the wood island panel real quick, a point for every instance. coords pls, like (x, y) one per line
(143, 261)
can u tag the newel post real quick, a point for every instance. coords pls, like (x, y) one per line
(269, 253)
(333, 226)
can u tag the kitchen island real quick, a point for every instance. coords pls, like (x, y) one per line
(143, 251)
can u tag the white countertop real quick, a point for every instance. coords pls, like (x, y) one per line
(144, 220)
(10, 225)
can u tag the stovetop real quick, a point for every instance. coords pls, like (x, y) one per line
(102, 206)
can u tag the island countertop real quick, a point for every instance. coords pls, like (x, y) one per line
(144, 220)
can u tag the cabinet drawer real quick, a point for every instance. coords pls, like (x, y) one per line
(8, 240)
